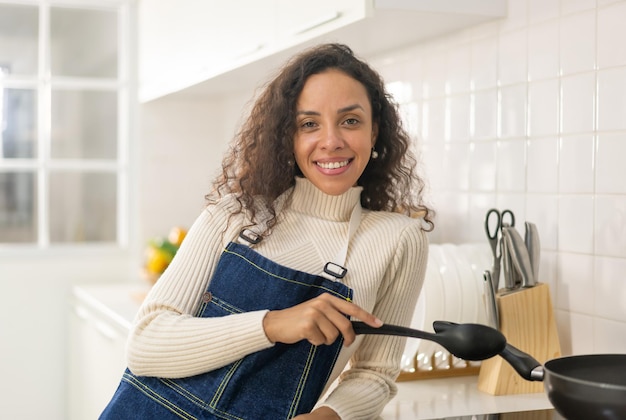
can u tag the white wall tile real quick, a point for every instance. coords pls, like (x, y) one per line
(484, 114)
(459, 124)
(543, 107)
(575, 287)
(610, 225)
(479, 203)
(456, 165)
(484, 72)
(576, 223)
(432, 158)
(610, 293)
(513, 57)
(483, 166)
(517, 15)
(612, 99)
(611, 28)
(543, 50)
(459, 65)
(610, 165)
(607, 2)
(608, 336)
(435, 75)
(576, 164)
(512, 111)
(411, 118)
(541, 10)
(573, 6)
(575, 331)
(577, 42)
(578, 99)
(542, 210)
(452, 216)
(433, 119)
(546, 138)
(515, 202)
(543, 159)
(511, 165)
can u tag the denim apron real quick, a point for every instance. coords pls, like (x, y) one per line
(276, 383)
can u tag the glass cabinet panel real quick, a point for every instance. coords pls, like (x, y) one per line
(66, 88)
(84, 124)
(19, 36)
(18, 117)
(83, 207)
(84, 43)
(18, 207)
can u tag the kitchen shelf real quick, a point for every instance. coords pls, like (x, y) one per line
(369, 27)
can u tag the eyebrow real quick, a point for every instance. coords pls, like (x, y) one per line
(339, 111)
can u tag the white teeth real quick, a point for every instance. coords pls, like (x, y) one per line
(332, 165)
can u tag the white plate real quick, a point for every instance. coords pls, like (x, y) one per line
(433, 291)
(412, 344)
(480, 259)
(469, 293)
(453, 307)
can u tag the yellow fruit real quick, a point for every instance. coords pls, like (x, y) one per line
(157, 260)
(176, 235)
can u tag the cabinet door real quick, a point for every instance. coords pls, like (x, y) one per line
(97, 361)
(182, 42)
(302, 19)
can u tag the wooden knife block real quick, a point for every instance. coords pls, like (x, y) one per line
(527, 322)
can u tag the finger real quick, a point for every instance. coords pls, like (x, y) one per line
(353, 310)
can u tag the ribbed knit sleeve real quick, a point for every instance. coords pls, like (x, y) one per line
(167, 340)
(368, 385)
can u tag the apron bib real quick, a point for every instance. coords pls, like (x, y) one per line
(276, 383)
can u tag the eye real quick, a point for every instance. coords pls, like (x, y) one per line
(351, 121)
(308, 124)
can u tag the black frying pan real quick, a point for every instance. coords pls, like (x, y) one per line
(580, 387)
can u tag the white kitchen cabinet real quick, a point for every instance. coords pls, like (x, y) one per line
(99, 322)
(207, 47)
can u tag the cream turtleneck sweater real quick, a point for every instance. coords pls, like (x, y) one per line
(386, 263)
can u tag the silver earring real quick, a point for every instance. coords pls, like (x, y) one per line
(374, 154)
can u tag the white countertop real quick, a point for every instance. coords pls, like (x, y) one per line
(419, 399)
(452, 397)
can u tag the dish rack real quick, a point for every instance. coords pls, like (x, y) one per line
(452, 291)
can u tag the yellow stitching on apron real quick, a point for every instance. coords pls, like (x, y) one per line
(198, 401)
(286, 279)
(226, 306)
(224, 383)
(303, 378)
(148, 392)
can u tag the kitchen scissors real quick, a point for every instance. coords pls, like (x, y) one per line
(494, 235)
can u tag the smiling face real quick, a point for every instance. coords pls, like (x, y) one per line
(334, 131)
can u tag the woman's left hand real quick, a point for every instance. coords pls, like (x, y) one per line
(322, 413)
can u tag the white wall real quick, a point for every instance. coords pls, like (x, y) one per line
(529, 113)
(182, 144)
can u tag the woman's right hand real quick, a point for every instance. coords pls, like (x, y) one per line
(319, 320)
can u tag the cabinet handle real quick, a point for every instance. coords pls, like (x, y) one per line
(106, 330)
(322, 20)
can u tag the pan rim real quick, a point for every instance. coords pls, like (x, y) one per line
(597, 384)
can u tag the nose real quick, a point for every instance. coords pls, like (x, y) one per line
(332, 139)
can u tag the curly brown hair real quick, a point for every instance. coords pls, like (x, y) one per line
(260, 162)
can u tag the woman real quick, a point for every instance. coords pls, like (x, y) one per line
(303, 231)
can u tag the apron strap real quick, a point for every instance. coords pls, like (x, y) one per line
(335, 270)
